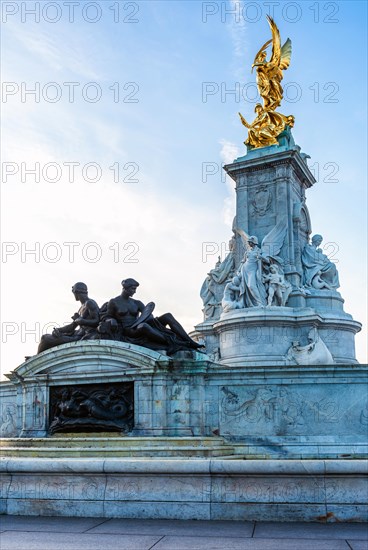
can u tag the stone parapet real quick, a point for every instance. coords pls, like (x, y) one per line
(282, 490)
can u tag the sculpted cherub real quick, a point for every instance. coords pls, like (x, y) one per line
(230, 300)
(278, 288)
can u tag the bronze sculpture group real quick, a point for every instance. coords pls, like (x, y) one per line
(122, 318)
(94, 407)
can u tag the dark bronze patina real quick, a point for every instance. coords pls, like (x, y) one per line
(123, 319)
(92, 407)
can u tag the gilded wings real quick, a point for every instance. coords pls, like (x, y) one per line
(269, 73)
(268, 125)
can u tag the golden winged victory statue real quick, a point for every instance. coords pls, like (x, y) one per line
(269, 124)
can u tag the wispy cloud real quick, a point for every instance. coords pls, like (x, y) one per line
(229, 152)
(237, 27)
(238, 33)
(71, 55)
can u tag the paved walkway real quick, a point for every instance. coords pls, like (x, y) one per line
(58, 533)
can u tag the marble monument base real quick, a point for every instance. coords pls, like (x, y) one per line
(289, 411)
(264, 335)
(306, 426)
(248, 490)
(274, 410)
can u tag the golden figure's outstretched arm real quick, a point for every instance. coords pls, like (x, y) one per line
(255, 62)
(244, 122)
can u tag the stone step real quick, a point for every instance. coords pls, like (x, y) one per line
(305, 450)
(71, 441)
(153, 451)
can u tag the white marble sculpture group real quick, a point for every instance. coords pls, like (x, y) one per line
(259, 280)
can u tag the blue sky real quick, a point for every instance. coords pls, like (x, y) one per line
(163, 129)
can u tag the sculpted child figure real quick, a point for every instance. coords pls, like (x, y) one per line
(278, 288)
(231, 296)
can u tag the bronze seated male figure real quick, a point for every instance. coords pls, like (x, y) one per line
(84, 324)
(122, 318)
(129, 320)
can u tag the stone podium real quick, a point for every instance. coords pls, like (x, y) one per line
(206, 441)
(271, 184)
(274, 411)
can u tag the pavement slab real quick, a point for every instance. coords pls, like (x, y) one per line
(67, 533)
(176, 527)
(24, 540)
(358, 544)
(45, 523)
(311, 530)
(220, 543)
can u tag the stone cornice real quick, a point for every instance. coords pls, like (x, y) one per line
(278, 158)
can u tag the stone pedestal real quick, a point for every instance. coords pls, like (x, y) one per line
(272, 413)
(263, 336)
(271, 185)
(269, 410)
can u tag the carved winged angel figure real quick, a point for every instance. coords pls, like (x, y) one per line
(269, 73)
(251, 269)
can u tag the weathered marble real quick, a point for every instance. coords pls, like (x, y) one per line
(272, 229)
(281, 490)
(270, 410)
(10, 415)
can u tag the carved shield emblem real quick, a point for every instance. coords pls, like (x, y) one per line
(262, 201)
